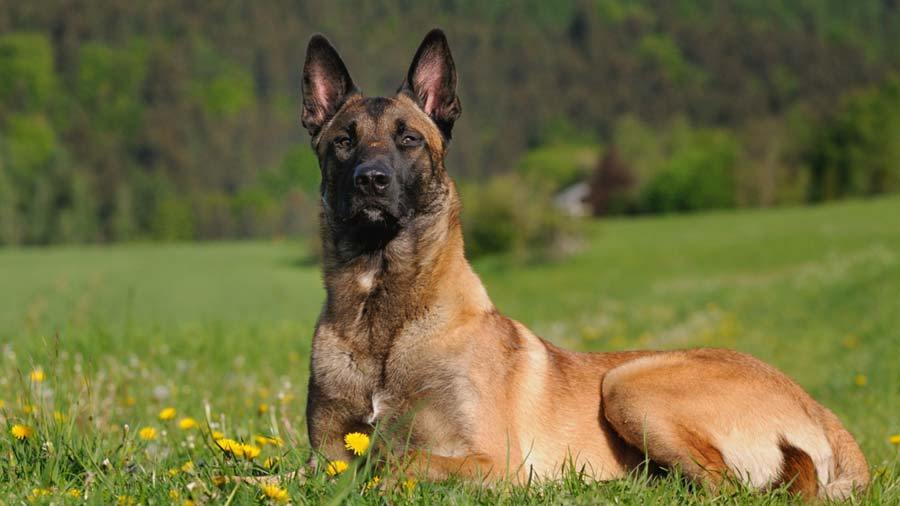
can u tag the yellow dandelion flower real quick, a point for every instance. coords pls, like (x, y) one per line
(895, 439)
(268, 440)
(269, 463)
(409, 484)
(861, 380)
(21, 432)
(217, 435)
(2, 403)
(262, 408)
(230, 446)
(250, 451)
(130, 401)
(37, 375)
(187, 423)
(74, 492)
(147, 433)
(167, 414)
(125, 500)
(374, 482)
(336, 467)
(356, 442)
(59, 416)
(219, 480)
(188, 502)
(173, 471)
(28, 409)
(174, 494)
(37, 493)
(188, 467)
(275, 493)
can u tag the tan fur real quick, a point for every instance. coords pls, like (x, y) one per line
(408, 339)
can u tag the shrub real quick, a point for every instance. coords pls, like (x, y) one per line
(699, 175)
(508, 215)
(856, 152)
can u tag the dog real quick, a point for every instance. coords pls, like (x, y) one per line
(408, 330)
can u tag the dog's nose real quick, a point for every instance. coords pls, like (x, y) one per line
(371, 179)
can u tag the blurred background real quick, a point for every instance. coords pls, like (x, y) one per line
(163, 120)
(634, 174)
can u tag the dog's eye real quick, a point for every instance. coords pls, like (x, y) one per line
(409, 140)
(342, 142)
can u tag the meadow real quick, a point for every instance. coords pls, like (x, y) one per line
(122, 368)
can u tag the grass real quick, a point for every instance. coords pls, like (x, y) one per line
(220, 332)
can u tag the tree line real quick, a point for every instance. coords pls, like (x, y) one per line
(170, 120)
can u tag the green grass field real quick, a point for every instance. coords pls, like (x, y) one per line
(220, 332)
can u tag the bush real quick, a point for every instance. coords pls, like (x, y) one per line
(856, 152)
(557, 165)
(507, 215)
(699, 175)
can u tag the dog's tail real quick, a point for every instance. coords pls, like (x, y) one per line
(851, 472)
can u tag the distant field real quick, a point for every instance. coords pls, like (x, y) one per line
(123, 332)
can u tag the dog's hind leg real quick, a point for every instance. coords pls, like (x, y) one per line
(719, 415)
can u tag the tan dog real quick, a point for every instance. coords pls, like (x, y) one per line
(408, 327)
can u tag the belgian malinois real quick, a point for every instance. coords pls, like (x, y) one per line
(408, 325)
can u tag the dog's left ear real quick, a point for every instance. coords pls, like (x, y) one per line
(431, 81)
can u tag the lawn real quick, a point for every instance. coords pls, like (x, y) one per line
(97, 342)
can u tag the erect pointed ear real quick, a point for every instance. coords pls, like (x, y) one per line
(431, 81)
(326, 84)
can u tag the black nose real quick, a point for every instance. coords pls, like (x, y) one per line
(371, 179)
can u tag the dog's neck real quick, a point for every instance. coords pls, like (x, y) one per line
(420, 271)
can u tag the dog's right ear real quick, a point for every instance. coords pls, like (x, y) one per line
(326, 84)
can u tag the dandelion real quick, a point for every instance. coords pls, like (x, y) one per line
(2, 403)
(187, 423)
(188, 467)
(21, 432)
(236, 449)
(28, 409)
(262, 408)
(229, 446)
(174, 494)
(37, 375)
(188, 502)
(59, 417)
(275, 493)
(269, 463)
(250, 451)
(269, 440)
(167, 414)
(409, 484)
(374, 482)
(37, 493)
(895, 439)
(130, 401)
(125, 500)
(861, 380)
(147, 433)
(356, 442)
(74, 492)
(217, 435)
(173, 471)
(336, 467)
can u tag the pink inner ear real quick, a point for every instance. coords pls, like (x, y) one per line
(427, 80)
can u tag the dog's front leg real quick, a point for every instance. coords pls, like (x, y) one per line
(428, 466)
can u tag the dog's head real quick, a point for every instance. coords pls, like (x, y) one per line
(381, 158)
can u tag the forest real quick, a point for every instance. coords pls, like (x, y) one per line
(170, 120)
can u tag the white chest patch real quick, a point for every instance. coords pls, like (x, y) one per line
(379, 407)
(366, 280)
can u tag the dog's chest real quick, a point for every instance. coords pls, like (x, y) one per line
(412, 376)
